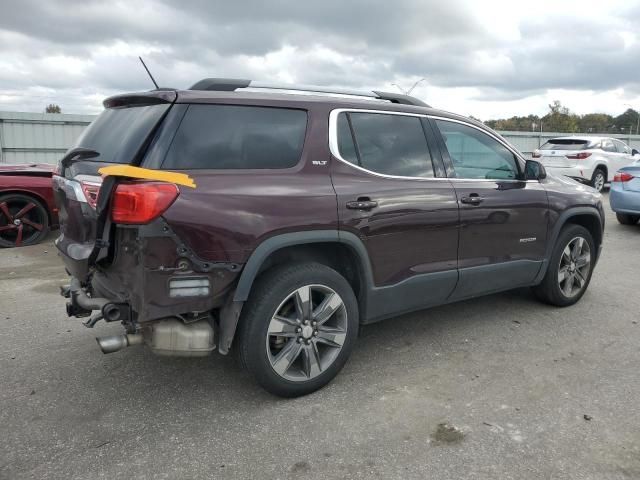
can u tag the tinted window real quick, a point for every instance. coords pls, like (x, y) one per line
(345, 140)
(475, 154)
(231, 136)
(567, 144)
(388, 144)
(118, 133)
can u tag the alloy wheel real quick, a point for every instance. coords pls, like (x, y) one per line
(21, 221)
(575, 264)
(598, 181)
(306, 333)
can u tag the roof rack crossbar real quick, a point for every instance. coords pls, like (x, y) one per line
(232, 84)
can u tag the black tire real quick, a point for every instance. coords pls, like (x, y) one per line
(270, 292)
(598, 179)
(549, 290)
(626, 219)
(31, 228)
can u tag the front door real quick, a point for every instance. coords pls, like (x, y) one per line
(503, 219)
(392, 193)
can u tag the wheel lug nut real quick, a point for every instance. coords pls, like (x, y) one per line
(298, 330)
(315, 333)
(307, 342)
(299, 339)
(314, 323)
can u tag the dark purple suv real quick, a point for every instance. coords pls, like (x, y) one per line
(274, 222)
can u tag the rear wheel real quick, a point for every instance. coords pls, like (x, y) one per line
(598, 179)
(626, 219)
(23, 220)
(569, 271)
(298, 328)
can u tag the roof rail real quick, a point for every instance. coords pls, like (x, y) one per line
(232, 84)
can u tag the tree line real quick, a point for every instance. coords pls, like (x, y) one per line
(560, 119)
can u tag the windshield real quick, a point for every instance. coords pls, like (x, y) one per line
(567, 144)
(118, 133)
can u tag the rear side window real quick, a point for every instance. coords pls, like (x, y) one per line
(237, 137)
(608, 146)
(567, 144)
(388, 144)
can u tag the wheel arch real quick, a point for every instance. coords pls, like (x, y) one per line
(343, 251)
(604, 167)
(587, 217)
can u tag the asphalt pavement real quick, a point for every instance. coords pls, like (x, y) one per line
(501, 387)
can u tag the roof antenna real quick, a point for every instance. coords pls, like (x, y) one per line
(149, 73)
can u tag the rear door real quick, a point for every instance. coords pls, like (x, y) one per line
(503, 219)
(392, 194)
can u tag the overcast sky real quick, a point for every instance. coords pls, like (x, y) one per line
(484, 58)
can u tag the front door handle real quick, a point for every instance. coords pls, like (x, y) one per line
(472, 199)
(363, 203)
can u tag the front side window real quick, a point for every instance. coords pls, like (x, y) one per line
(389, 144)
(237, 137)
(621, 147)
(475, 154)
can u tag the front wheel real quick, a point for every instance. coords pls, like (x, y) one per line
(626, 219)
(570, 268)
(298, 328)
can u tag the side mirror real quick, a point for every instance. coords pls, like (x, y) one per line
(534, 170)
(634, 152)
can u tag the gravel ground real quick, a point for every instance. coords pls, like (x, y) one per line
(499, 387)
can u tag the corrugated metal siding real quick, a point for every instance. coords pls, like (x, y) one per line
(44, 137)
(38, 137)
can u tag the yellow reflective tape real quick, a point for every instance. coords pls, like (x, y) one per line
(148, 174)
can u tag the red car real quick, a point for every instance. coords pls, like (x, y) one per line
(27, 210)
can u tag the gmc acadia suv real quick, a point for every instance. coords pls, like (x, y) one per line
(274, 222)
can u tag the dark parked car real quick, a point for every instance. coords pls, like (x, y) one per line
(27, 209)
(312, 214)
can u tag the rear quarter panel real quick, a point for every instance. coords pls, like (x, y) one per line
(230, 212)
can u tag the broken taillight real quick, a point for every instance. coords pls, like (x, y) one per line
(138, 203)
(90, 190)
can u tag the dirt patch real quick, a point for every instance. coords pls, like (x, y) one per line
(447, 433)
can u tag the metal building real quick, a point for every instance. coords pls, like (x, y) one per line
(44, 137)
(38, 137)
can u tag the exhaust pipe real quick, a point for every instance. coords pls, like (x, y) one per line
(113, 343)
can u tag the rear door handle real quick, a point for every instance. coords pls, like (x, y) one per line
(472, 199)
(362, 204)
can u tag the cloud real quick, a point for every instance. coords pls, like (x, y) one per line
(494, 52)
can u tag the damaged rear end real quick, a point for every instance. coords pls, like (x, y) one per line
(125, 261)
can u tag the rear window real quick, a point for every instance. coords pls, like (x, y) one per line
(118, 133)
(567, 144)
(237, 137)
